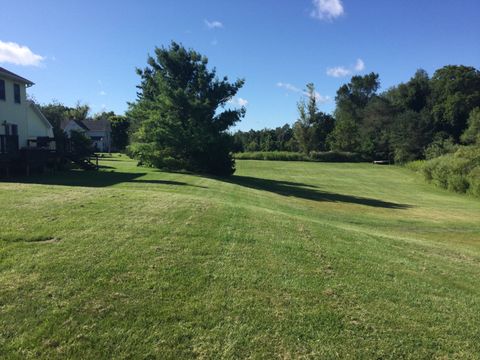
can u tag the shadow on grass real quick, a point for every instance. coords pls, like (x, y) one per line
(306, 191)
(91, 179)
(284, 188)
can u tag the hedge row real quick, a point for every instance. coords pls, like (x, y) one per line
(328, 156)
(458, 171)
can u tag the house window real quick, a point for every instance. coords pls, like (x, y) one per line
(16, 93)
(2, 89)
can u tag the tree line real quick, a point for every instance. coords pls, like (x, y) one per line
(181, 120)
(417, 119)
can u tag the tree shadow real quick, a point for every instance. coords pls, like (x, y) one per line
(90, 179)
(307, 191)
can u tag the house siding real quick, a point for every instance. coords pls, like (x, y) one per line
(13, 113)
(30, 125)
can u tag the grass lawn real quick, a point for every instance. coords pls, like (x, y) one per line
(283, 260)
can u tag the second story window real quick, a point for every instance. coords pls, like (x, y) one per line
(16, 93)
(2, 89)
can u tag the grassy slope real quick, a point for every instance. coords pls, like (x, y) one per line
(284, 259)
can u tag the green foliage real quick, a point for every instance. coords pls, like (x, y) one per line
(313, 127)
(272, 155)
(278, 139)
(318, 156)
(413, 95)
(440, 146)
(79, 112)
(455, 92)
(456, 171)
(351, 100)
(81, 146)
(345, 136)
(338, 156)
(473, 179)
(120, 131)
(178, 115)
(472, 134)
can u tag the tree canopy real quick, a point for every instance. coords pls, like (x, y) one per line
(181, 114)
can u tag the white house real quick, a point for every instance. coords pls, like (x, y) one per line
(22, 125)
(99, 131)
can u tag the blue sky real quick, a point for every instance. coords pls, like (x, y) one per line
(88, 50)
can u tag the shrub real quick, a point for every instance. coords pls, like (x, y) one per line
(81, 145)
(417, 165)
(458, 171)
(337, 156)
(440, 147)
(327, 156)
(474, 181)
(272, 155)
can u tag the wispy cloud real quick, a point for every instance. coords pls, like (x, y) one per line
(14, 53)
(338, 71)
(288, 87)
(327, 9)
(213, 24)
(102, 91)
(238, 101)
(359, 65)
(320, 98)
(342, 71)
(214, 42)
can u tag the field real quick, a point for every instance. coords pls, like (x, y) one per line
(283, 260)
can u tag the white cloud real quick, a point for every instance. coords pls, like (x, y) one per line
(359, 65)
(102, 93)
(320, 98)
(213, 24)
(342, 71)
(14, 53)
(327, 9)
(238, 101)
(288, 86)
(338, 71)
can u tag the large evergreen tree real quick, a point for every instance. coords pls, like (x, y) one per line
(180, 113)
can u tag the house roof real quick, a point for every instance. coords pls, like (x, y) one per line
(14, 77)
(79, 123)
(97, 125)
(89, 125)
(40, 114)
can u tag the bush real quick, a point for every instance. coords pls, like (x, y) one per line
(458, 171)
(440, 147)
(327, 156)
(474, 181)
(81, 145)
(337, 156)
(417, 165)
(272, 156)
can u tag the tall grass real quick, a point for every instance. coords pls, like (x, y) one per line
(327, 156)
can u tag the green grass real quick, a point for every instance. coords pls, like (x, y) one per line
(283, 260)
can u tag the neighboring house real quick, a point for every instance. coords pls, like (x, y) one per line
(22, 124)
(99, 131)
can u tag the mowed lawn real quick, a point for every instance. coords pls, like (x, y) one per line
(282, 260)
